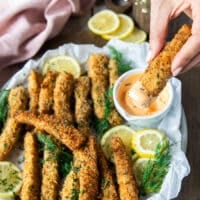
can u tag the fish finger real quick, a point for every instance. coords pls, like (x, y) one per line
(83, 107)
(46, 93)
(17, 100)
(67, 135)
(108, 188)
(50, 176)
(63, 93)
(98, 72)
(34, 81)
(124, 171)
(155, 77)
(88, 173)
(31, 173)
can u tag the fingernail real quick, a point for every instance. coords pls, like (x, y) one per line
(149, 56)
(176, 71)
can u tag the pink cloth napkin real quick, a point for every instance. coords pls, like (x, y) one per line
(26, 24)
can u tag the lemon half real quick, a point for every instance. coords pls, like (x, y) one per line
(125, 28)
(103, 22)
(124, 132)
(10, 180)
(144, 142)
(62, 63)
(137, 36)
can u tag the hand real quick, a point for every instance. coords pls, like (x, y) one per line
(162, 11)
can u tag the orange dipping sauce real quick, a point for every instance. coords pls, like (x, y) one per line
(158, 105)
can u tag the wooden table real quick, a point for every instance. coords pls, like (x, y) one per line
(76, 31)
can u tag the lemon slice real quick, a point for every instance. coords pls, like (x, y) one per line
(138, 169)
(62, 63)
(103, 22)
(124, 132)
(137, 36)
(10, 180)
(144, 142)
(125, 28)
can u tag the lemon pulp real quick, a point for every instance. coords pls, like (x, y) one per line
(103, 22)
(10, 180)
(62, 63)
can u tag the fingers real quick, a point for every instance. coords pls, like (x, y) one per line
(195, 62)
(184, 59)
(158, 26)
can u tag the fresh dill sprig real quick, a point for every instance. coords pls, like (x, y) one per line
(59, 153)
(3, 107)
(103, 125)
(122, 65)
(156, 169)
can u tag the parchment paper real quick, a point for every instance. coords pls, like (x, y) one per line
(136, 53)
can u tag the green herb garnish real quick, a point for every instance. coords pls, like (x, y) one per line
(122, 64)
(156, 170)
(3, 107)
(60, 154)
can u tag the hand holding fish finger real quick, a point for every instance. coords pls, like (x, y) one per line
(161, 13)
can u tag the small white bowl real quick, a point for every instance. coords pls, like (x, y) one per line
(141, 121)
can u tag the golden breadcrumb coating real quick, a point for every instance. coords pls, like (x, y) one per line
(17, 101)
(31, 173)
(124, 171)
(83, 107)
(113, 72)
(88, 172)
(67, 135)
(71, 186)
(158, 72)
(50, 176)
(98, 72)
(34, 81)
(114, 117)
(108, 188)
(46, 93)
(63, 93)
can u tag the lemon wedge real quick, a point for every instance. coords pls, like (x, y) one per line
(137, 36)
(138, 168)
(144, 142)
(104, 22)
(124, 132)
(10, 180)
(62, 63)
(125, 28)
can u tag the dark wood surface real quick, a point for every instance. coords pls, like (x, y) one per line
(76, 31)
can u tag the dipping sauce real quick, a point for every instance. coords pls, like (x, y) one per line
(124, 99)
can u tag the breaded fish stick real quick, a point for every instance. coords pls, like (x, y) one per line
(67, 135)
(98, 72)
(83, 108)
(49, 188)
(108, 189)
(158, 72)
(50, 176)
(88, 173)
(71, 187)
(63, 96)
(46, 93)
(114, 117)
(34, 81)
(17, 101)
(31, 173)
(124, 171)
